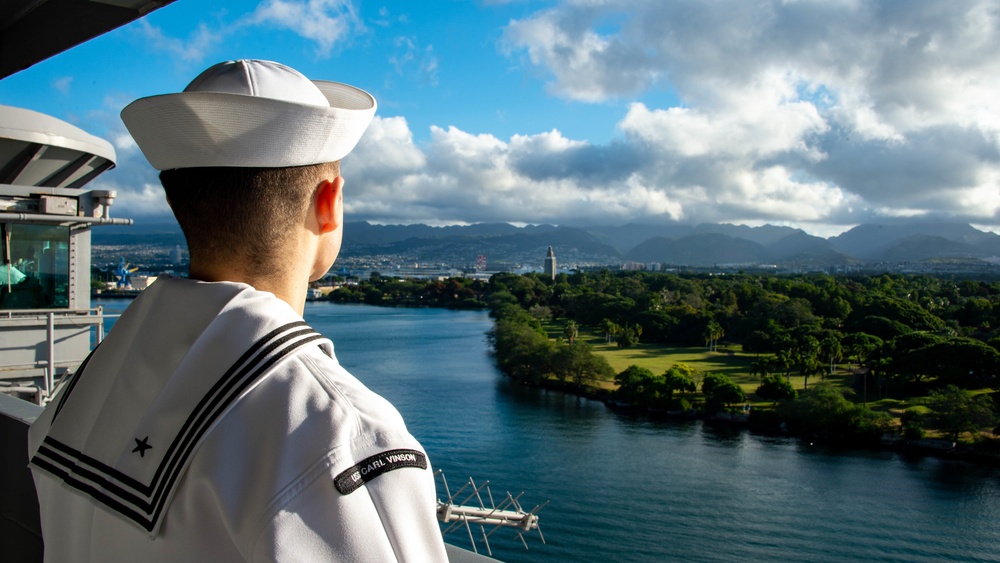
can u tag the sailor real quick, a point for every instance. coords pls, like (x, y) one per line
(213, 424)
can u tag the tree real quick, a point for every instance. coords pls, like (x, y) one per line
(831, 349)
(720, 391)
(957, 411)
(710, 381)
(861, 344)
(774, 388)
(758, 341)
(522, 351)
(609, 329)
(910, 354)
(965, 362)
(825, 414)
(540, 312)
(636, 385)
(761, 366)
(783, 362)
(729, 393)
(679, 377)
(628, 337)
(580, 365)
(571, 331)
(884, 328)
(806, 356)
(912, 425)
(713, 332)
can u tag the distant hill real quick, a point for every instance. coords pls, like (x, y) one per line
(702, 245)
(627, 237)
(458, 244)
(700, 250)
(765, 235)
(917, 248)
(804, 249)
(874, 242)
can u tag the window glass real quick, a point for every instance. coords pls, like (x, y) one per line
(34, 268)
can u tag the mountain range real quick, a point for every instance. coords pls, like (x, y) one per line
(702, 245)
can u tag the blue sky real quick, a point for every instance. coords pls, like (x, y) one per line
(819, 115)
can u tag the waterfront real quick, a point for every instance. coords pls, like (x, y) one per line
(629, 489)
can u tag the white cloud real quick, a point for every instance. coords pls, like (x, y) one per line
(63, 84)
(587, 66)
(826, 114)
(791, 110)
(193, 49)
(411, 58)
(324, 22)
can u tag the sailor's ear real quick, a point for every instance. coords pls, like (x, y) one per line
(328, 200)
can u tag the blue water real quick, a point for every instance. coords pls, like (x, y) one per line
(629, 489)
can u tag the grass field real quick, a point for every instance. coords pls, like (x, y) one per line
(729, 360)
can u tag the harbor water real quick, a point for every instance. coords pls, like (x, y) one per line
(626, 488)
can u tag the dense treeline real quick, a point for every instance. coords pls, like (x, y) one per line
(453, 293)
(902, 330)
(904, 337)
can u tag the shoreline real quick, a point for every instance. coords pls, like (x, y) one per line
(928, 447)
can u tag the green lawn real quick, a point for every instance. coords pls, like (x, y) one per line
(729, 360)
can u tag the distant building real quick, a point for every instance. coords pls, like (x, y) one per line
(142, 282)
(550, 264)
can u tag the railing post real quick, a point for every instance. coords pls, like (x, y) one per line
(50, 370)
(100, 325)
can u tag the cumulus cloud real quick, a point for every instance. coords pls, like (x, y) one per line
(324, 23)
(796, 112)
(789, 110)
(192, 49)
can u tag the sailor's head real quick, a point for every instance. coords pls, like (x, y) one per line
(247, 152)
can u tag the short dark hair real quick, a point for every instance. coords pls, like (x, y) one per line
(242, 213)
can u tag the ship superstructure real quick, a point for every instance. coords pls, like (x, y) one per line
(47, 325)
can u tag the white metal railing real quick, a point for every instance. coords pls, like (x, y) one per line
(50, 319)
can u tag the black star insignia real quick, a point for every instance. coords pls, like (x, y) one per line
(141, 446)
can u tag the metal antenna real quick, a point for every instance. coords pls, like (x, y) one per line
(509, 514)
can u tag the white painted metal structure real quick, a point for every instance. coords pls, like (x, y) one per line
(485, 513)
(46, 323)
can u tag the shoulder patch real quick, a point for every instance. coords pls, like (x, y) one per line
(352, 478)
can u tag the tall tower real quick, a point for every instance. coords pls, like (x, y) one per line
(550, 264)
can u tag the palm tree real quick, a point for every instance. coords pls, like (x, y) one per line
(571, 331)
(713, 332)
(761, 367)
(608, 327)
(831, 348)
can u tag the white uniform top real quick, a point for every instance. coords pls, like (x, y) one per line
(214, 425)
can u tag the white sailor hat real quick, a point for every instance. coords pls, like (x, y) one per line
(250, 113)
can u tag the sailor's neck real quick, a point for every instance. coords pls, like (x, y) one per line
(285, 287)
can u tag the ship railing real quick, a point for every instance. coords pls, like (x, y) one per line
(13, 379)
